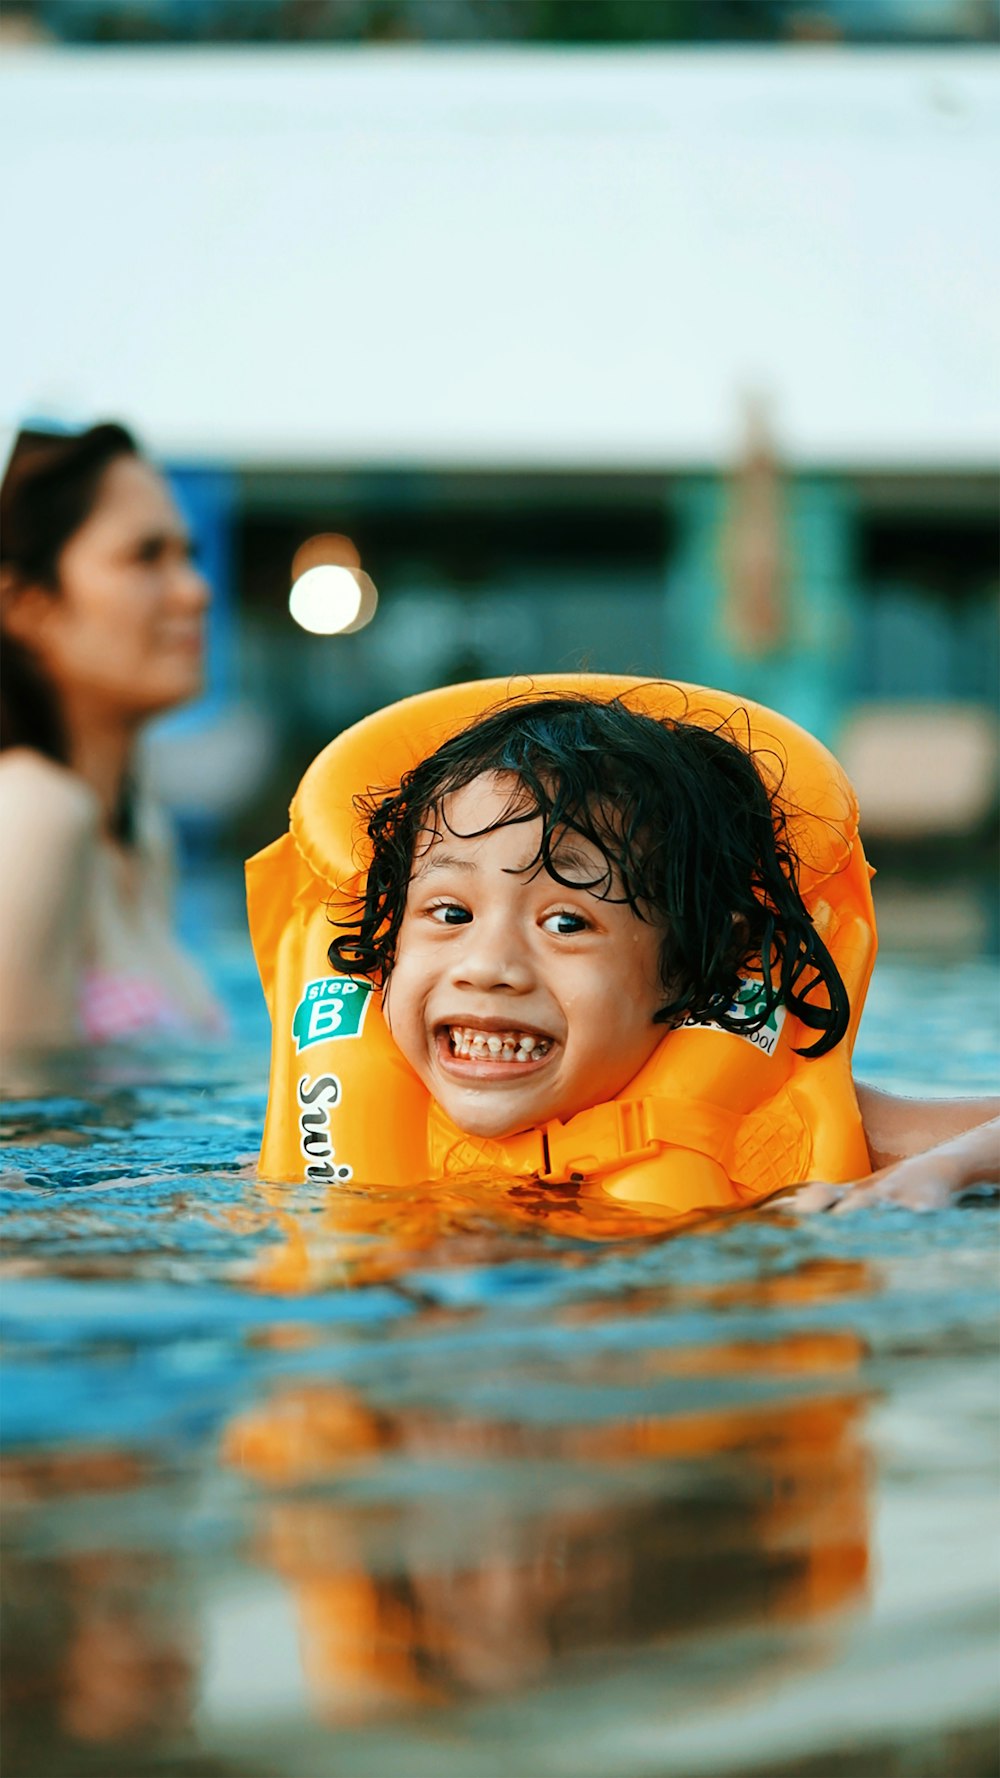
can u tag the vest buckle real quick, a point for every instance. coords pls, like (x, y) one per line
(600, 1140)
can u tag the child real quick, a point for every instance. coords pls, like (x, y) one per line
(589, 924)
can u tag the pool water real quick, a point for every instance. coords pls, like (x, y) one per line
(298, 1486)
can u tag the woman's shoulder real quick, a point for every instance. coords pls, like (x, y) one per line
(49, 822)
(44, 802)
(30, 779)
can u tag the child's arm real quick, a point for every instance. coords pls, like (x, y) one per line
(924, 1153)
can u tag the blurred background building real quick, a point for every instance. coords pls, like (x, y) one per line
(640, 335)
(505, 21)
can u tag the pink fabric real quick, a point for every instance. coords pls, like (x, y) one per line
(115, 1004)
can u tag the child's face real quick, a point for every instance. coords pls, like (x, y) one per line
(515, 999)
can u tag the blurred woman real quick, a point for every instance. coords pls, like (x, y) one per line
(101, 623)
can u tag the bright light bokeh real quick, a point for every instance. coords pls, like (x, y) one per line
(327, 600)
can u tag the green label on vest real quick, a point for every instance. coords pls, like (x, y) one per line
(331, 1008)
(748, 1004)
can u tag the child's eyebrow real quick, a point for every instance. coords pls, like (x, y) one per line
(573, 856)
(443, 861)
(564, 857)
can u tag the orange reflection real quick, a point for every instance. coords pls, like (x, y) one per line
(376, 1234)
(560, 1536)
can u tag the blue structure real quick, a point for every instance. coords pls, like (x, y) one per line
(805, 669)
(208, 500)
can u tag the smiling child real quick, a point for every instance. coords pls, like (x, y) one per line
(588, 929)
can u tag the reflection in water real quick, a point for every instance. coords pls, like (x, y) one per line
(391, 1624)
(368, 1235)
(628, 1494)
(520, 1541)
(96, 1652)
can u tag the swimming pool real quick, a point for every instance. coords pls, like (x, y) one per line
(297, 1486)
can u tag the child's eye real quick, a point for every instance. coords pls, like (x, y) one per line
(449, 913)
(565, 923)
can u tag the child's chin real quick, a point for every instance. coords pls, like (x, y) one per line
(490, 1122)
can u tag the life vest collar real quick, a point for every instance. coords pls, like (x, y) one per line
(620, 1133)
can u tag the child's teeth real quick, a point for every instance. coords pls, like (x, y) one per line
(507, 1046)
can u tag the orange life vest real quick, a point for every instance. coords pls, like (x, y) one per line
(713, 1119)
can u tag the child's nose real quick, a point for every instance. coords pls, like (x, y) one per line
(493, 958)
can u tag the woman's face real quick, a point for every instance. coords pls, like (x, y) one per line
(123, 637)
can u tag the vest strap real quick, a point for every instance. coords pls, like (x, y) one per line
(625, 1131)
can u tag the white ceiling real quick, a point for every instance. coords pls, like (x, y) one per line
(498, 258)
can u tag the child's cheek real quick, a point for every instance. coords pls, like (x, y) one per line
(399, 1007)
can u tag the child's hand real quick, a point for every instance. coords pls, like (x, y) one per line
(926, 1181)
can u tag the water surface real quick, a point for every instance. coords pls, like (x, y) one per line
(298, 1485)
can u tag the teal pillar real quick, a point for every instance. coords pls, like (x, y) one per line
(803, 667)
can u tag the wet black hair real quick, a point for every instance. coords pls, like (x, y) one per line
(50, 488)
(690, 837)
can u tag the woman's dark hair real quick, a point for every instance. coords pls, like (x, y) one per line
(49, 490)
(688, 831)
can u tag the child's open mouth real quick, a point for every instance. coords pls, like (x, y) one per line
(470, 1044)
